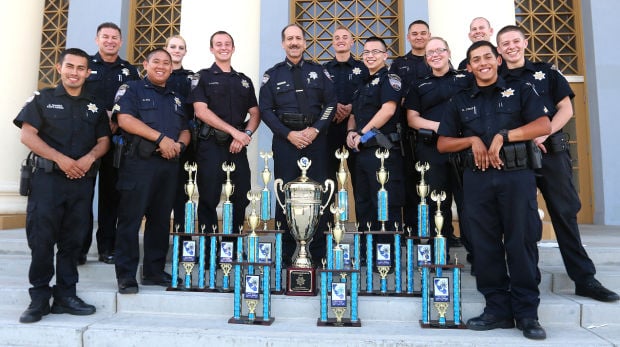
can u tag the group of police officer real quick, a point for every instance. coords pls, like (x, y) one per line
(495, 121)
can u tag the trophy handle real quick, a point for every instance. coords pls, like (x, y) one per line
(277, 185)
(328, 184)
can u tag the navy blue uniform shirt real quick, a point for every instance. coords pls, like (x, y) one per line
(158, 107)
(347, 77)
(483, 112)
(549, 83)
(228, 94)
(277, 95)
(105, 78)
(182, 81)
(70, 125)
(429, 96)
(409, 68)
(378, 89)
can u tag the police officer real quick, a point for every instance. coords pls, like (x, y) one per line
(222, 100)
(181, 81)
(425, 105)
(155, 123)
(297, 102)
(373, 126)
(555, 177)
(109, 72)
(409, 68)
(348, 74)
(495, 120)
(68, 133)
(479, 29)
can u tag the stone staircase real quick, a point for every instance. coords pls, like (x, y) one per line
(155, 317)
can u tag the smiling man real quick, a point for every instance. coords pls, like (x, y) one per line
(492, 123)
(297, 102)
(68, 133)
(155, 124)
(222, 100)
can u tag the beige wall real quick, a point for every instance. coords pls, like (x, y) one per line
(450, 19)
(21, 22)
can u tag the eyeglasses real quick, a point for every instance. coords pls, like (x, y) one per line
(373, 52)
(435, 51)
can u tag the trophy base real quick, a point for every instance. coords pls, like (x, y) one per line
(333, 322)
(300, 281)
(450, 324)
(255, 321)
(390, 293)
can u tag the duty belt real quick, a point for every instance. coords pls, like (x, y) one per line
(49, 166)
(297, 121)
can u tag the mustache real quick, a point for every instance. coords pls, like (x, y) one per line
(294, 46)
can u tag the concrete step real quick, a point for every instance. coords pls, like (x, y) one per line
(140, 329)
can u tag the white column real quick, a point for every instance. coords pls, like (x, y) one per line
(241, 19)
(22, 21)
(450, 19)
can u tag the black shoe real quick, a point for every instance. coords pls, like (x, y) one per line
(595, 290)
(81, 259)
(107, 258)
(127, 286)
(35, 311)
(454, 241)
(531, 329)
(164, 280)
(72, 305)
(487, 321)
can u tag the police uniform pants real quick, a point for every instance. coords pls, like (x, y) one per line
(367, 186)
(210, 177)
(285, 157)
(57, 214)
(505, 226)
(147, 188)
(555, 182)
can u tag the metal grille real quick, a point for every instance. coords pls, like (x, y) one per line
(53, 40)
(152, 22)
(553, 29)
(364, 18)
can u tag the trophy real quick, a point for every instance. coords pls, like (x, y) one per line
(341, 175)
(422, 188)
(190, 212)
(253, 221)
(302, 208)
(336, 295)
(382, 195)
(439, 241)
(265, 197)
(444, 292)
(227, 208)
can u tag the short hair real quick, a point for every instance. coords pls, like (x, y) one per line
(419, 21)
(509, 28)
(150, 54)
(175, 37)
(303, 33)
(221, 32)
(479, 44)
(342, 27)
(72, 51)
(109, 25)
(376, 39)
(484, 19)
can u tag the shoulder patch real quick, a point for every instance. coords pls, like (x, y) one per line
(31, 97)
(394, 81)
(265, 79)
(120, 92)
(194, 78)
(329, 77)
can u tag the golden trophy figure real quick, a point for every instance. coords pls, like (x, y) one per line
(342, 175)
(302, 208)
(265, 197)
(227, 207)
(439, 241)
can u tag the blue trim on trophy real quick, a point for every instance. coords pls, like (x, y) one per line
(423, 220)
(330, 258)
(266, 293)
(382, 206)
(343, 204)
(278, 284)
(425, 289)
(175, 260)
(369, 263)
(410, 272)
(201, 261)
(397, 260)
(189, 217)
(237, 298)
(265, 205)
(227, 217)
(212, 270)
(323, 296)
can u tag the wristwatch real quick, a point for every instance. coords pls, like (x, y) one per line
(182, 146)
(504, 133)
(249, 132)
